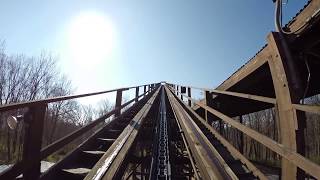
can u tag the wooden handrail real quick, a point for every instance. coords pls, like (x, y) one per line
(236, 94)
(59, 98)
(307, 108)
(297, 159)
(18, 168)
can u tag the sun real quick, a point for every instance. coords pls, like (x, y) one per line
(91, 38)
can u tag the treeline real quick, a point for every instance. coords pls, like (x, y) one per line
(265, 122)
(24, 78)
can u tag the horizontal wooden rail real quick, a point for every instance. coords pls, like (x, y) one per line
(237, 94)
(307, 108)
(60, 98)
(297, 159)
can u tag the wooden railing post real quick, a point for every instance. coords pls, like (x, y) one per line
(118, 102)
(206, 100)
(177, 90)
(189, 95)
(241, 145)
(144, 89)
(208, 116)
(137, 94)
(287, 89)
(34, 120)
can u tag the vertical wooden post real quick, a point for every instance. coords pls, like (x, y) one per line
(206, 102)
(177, 90)
(286, 85)
(144, 89)
(118, 102)
(241, 148)
(137, 94)
(181, 96)
(189, 95)
(34, 119)
(209, 117)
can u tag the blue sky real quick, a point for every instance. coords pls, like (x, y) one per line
(194, 42)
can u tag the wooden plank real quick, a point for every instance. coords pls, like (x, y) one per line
(108, 165)
(308, 108)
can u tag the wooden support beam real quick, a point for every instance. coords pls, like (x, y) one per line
(287, 87)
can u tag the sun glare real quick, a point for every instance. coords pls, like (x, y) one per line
(91, 38)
